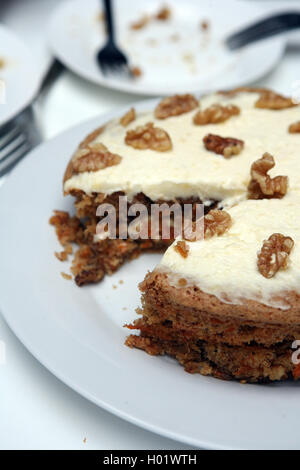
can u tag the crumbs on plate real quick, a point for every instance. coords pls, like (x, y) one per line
(136, 71)
(66, 276)
(163, 14)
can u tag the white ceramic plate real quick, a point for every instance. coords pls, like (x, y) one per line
(197, 62)
(78, 334)
(20, 75)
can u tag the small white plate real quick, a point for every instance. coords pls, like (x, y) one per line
(78, 334)
(197, 62)
(19, 74)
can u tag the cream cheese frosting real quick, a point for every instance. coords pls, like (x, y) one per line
(189, 170)
(226, 265)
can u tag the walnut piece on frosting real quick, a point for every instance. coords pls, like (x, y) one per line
(149, 137)
(182, 248)
(274, 254)
(175, 105)
(216, 222)
(270, 100)
(128, 117)
(94, 157)
(262, 186)
(226, 146)
(294, 128)
(215, 114)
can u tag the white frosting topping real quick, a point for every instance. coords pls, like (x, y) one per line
(189, 169)
(226, 266)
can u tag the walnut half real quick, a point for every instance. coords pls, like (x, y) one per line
(270, 100)
(182, 248)
(274, 254)
(226, 146)
(215, 114)
(262, 186)
(128, 117)
(175, 105)
(294, 128)
(216, 222)
(94, 157)
(149, 137)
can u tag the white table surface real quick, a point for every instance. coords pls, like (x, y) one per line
(37, 411)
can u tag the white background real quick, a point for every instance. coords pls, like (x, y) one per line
(36, 410)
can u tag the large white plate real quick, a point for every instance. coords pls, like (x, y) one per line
(20, 75)
(198, 62)
(78, 333)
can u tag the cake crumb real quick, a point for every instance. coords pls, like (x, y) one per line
(121, 281)
(84, 440)
(174, 37)
(100, 16)
(136, 71)
(205, 25)
(124, 308)
(61, 255)
(66, 276)
(140, 24)
(2, 63)
(151, 42)
(163, 14)
(114, 286)
(188, 57)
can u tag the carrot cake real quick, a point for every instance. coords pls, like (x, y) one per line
(183, 151)
(231, 307)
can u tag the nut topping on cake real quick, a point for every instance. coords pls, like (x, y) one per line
(294, 128)
(216, 222)
(270, 100)
(215, 114)
(149, 137)
(128, 117)
(262, 186)
(94, 157)
(175, 105)
(274, 254)
(182, 248)
(226, 146)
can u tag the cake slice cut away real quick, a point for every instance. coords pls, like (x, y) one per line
(231, 308)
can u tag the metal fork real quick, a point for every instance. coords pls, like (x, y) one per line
(21, 134)
(263, 29)
(16, 139)
(110, 58)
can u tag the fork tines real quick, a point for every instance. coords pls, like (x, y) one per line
(17, 138)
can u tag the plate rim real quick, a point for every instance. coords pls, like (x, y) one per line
(36, 78)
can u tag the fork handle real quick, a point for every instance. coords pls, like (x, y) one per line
(109, 19)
